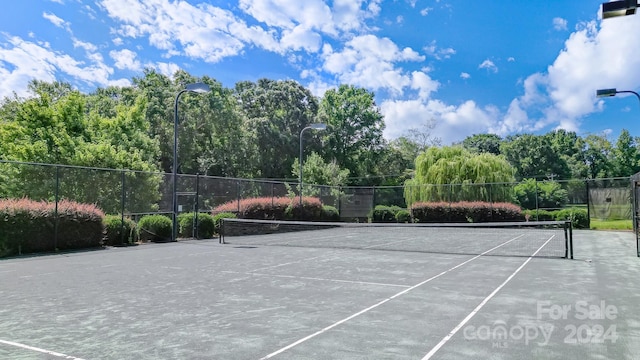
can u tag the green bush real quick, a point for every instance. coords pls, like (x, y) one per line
(206, 225)
(218, 217)
(117, 232)
(579, 217)
(550, 194)
(403, 216)
(384, 214)
(540, 215)
(330, 213)
(28, 226)
(155, 228)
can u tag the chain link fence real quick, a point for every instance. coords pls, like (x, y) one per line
(136, 193)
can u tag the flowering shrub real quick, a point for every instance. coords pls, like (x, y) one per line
(33, 226)
(274, 208)
(475, 211)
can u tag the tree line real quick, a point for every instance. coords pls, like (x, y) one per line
(252, 131)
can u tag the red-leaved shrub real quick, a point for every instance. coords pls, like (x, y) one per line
(466, 211)
(274, 208)
(33, 226)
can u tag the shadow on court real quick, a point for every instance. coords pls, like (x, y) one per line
(203, 300)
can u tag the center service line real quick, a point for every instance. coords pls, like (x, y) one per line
(384, 301)
(482, 304)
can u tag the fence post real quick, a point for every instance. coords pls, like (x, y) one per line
(55, 214)
(196, 209)
(340, 200)
(586, 182)
(122, 207)
(537, 214)
(238, 194)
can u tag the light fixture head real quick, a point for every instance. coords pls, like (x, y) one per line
(606, 92)
(619, 8)
(318, 126)
(199, 88)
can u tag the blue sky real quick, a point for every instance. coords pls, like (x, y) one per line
(469, 67)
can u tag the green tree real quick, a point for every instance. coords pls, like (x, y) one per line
(455, 174)
(626, 158)
(532, 194)
(533, 156)
(571, 149)
(316, 171)
(276, 113)
(479, 143)
(598, 156)
(354, 134)
(56, 128)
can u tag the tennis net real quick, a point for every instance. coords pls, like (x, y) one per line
(540, 239)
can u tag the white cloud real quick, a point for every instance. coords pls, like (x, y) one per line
(301, 38)
(453, 123)
(399, 19)
(21, 61)
(369, 61)
(55, 20)
(58, 1)
(84, 45)
(167, 69)
(424, 84)
(592, 58)
(511, 59)
(425, 11)
(438, 53)
(202, 32)
(465, 75)
(125, 59)
(559, 24)
(489, 65)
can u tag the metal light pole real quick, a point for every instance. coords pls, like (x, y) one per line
(318, 126)
(199, 88)
(612, 92)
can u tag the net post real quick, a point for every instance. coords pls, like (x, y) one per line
(570, 225)
(566, 240)
(221, 231)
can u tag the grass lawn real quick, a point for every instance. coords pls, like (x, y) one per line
(611, 224)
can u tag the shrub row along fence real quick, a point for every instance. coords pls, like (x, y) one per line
(133, 193)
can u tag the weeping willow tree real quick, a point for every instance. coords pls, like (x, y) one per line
(454, 174)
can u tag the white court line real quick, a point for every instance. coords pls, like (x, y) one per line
(48, 352)
(318, 279)
(288, 263)
(482, 304)
(380, 303)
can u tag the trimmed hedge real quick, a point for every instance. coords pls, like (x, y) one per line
(118, 233)
(403, 216)
(28, 226)
(578, 217)
(206, 225)
(156, 228)
(274, 208)
(330, 213)
(465, 212)
(384, 214)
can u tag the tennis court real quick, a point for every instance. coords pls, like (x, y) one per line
(205, 300)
